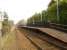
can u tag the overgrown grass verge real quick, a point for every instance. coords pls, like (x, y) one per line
(8, 39)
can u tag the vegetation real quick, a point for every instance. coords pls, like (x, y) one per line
(6, 24)
(50, 15)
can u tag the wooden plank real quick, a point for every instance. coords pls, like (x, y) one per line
(55, 33)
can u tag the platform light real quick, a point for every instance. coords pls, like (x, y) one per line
(57, 10)
(33, 21)
(41, 16)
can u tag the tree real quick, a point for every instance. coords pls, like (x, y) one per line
(52, 12)
(5, 25)
(52, 2)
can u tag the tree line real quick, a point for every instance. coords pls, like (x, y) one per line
(6, 24)
(51, 15)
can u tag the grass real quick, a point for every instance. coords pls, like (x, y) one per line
(8, 39)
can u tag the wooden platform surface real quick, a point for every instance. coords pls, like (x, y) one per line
(55, 33)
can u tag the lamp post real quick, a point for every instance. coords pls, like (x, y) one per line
(57, 10)
(33, 20)
(41, 16)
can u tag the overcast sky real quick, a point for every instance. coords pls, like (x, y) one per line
(22, 9)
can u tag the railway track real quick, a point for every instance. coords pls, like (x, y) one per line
(38, 42)
(46, 37)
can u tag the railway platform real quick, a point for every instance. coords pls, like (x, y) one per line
(52, 32)
(55, 33)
